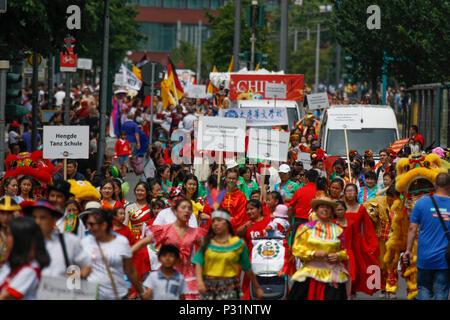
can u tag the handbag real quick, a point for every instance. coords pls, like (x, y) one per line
(447, 252)
(109, 272)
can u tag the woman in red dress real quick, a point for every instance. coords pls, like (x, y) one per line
(107, 192)
(349, 230)
(234, 200)
(364, 242)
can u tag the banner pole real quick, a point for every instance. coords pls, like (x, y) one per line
(219, 173)
(65, 168)
(348, 157)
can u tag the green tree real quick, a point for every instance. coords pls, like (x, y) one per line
(304, 61)
(415, 33)
(124, 32)
(219, 48)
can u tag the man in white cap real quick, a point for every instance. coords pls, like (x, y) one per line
(286, 187)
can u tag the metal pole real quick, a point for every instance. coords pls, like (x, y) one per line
(253, 37)
(67, 103)
(199, 52)
(284, 35)
(35, 104)
(237, 34)
(101, 145)
(51, 82)
(178, 33)
(295, 40)
(152, 87)
(338, 64)
(316, 86)
(4, 67)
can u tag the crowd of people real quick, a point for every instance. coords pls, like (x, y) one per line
(189, 234)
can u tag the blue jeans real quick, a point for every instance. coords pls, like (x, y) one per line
(433, 283)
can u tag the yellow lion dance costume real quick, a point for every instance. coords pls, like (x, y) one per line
(415, 178)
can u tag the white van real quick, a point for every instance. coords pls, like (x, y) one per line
(378, 130)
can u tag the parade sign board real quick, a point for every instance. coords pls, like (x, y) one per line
(257, 117)
(317, 101)
(268, 144)
(84, 64)
(275, 90)
(197, 91)
(305, 158)
(344, 118)
(66, 142)
(59, 288)
(221, 134)
(126, 78)
(253, 86)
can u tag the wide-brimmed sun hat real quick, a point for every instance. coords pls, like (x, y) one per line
(324, 200)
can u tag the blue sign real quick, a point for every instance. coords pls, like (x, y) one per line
(257, 117)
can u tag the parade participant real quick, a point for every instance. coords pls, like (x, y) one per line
(349, 230)
(336, 188)
(122, 151)
(280, 224)
(218, 262)
(26, 188)
(317, 162)
(120, 190)
(136, 214)
(415, 135)
(338, 167)
(234, 200)
(118, 217)
(111, 257)
(200, 206)
(307, 122)
(256, 225)
(286, 187)
(365, 242)
(433, 255)
(9, 209)
(388, 180)
(27, 256)
(274, 199)
(382, 166)
(183, 237)
(379, 210)
(320, 246)
(64, 248)
(107, 192)
(321, 187)
(10, 188)
(163, 178)
(156, 206)
(300, 205)
(245, 183)
(166, 283)
(370, 189)
(71, 222)
(368, 156)
(84, 192)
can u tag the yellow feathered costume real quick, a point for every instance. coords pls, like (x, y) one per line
(415, 176)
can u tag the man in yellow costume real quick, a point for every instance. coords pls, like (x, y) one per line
(415, 178)
(307, 122)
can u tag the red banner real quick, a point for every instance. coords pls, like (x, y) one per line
(252, 86)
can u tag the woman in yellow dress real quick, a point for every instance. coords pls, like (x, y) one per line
(320, 247)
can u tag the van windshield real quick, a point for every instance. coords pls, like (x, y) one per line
(359, 140)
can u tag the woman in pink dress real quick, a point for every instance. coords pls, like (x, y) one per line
(183, 237)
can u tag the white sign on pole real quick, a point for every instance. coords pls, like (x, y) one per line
(66, 142)
(221, 134)
(268, 144)
(305, 158)
(317, 101)
(275, 90)
(85, 64)
(127, 78)
(197, 91)
(344, 119)
(57, 288)
(258, 117)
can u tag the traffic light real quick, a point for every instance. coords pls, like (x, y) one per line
(13, 109)
(261, 58)
(244, 56)
(259, 16)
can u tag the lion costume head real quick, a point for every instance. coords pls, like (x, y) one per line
(29, 164)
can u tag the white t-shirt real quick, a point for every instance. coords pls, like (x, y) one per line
(24, 284)
(13, 137)
(167, 216)
(75, 254)
(59, 97)
(188, 122)
(115, 251)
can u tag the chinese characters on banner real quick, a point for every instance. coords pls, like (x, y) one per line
(257, 117)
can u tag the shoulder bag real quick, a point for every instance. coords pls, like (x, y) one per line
(447, 252)
(109, 271)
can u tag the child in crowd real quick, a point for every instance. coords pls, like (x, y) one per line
(118, 215)
(370, 189)
(280, 224)
(166, 283)
(122, 151)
